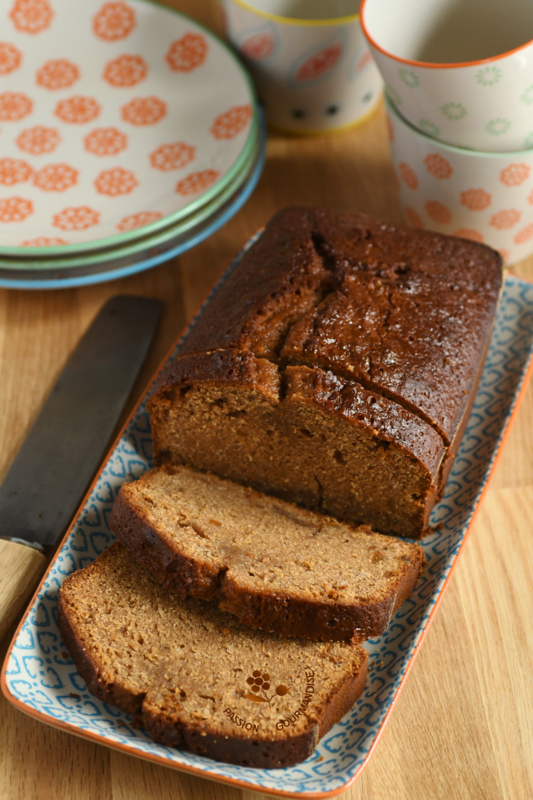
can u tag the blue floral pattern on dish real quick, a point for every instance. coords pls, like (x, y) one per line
(40, 674)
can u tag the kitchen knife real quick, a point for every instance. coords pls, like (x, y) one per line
(56, 463)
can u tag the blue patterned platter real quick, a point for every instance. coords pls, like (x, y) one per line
(41, 680)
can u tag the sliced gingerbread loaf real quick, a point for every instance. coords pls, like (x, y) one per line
(274, 565)
(197, 679)
(335, 367)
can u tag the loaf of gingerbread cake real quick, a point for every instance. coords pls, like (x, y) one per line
(194, 677)
(335, 367)
(274, 565)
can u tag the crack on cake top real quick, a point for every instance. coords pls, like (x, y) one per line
(404, 313)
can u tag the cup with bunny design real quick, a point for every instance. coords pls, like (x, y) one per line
(461, 71)
(309, 60)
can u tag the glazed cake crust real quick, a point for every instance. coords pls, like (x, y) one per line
(353, 311)
(404, 312)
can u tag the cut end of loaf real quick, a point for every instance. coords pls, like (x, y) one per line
(323, 442)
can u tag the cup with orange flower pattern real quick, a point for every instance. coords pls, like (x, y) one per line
(485, 197)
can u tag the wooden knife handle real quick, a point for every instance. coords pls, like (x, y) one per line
(20, 570)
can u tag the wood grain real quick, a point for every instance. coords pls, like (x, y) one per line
(462, 727)
(21, 568)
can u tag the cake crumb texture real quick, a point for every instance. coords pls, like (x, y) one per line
(274, 565)
(335, 367)
(194, 677)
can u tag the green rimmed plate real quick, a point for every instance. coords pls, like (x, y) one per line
(150, 255)
(155, 239)
(121, 119)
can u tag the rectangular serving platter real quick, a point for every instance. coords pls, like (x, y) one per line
(40, 679)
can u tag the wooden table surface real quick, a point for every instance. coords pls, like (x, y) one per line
(463, 726)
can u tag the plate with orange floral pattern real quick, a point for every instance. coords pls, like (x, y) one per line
(117, 118)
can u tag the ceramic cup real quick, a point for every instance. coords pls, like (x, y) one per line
(309, 59)
(460, 71)
(486, 197)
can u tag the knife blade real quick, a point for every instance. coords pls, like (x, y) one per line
(56, 462)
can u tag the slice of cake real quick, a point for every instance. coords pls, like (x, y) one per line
(196, 678)
(274, 565)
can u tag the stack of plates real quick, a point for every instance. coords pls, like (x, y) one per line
(128, 133)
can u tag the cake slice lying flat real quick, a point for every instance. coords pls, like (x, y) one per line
(274, 565)
(198, 679)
